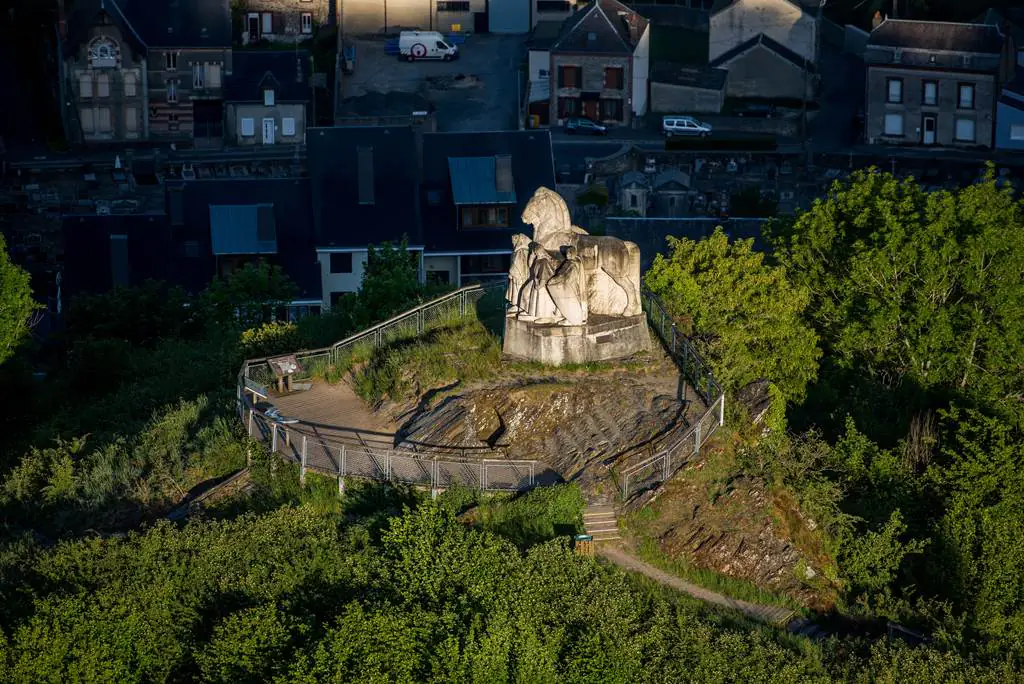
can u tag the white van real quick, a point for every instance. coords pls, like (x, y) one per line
(684, 125)
(414, 45)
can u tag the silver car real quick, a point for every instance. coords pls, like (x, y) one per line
(672, 126)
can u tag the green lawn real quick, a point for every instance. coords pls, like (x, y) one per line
(678, 44)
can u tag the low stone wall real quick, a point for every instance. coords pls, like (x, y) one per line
(601, 339)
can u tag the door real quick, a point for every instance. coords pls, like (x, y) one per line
(928, 129)
(268, 131)
(480, 23)
(590, 109)
(254, 27)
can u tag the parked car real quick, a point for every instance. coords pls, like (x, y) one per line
(684, 125)
(413, 45)
(761, 110)
(583, 125)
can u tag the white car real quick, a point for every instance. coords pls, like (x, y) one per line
(684, 125)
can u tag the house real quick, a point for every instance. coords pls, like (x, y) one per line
(769, 48)
(268, 97)
(1009, 133)
(146, 70)
(474, 188)
(681, 88)
(364, 191)
(599, 64)
(1010, 116)
(634, 190)
(932, 83)
(281, 20)
(671, 194)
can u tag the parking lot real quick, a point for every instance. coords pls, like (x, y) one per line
(477, 92)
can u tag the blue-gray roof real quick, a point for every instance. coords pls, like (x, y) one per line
(243, 229)
(481, 180)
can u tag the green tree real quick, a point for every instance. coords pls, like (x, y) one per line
(744, 315)
(249, 296)
(16, 303)
(915, 294)
(390, 281)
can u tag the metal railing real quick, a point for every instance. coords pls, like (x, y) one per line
(335, 457)
(666, 462)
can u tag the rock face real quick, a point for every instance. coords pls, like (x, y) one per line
(579, 424)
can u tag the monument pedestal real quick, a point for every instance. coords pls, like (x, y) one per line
(601, 338)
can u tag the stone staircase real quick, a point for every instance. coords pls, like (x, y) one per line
(601, 522)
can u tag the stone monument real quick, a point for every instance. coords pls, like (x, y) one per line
(572, 297)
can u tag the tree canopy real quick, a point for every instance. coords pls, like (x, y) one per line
(744, 315)
(16, 303)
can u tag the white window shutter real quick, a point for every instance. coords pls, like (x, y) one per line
(287, 126)
(248, 127)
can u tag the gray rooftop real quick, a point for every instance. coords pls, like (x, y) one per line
(243, 229)
(482, 180)
(937, 35)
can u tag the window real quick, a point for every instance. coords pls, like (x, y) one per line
(248, 127)
(633, 202)
(485, 217)
(103, 53)
(930, 95)
(288, 126)
(894, 124)
(341, 262)
(894, 90)
(130, 89)
(213, 75)
(452, 5)
(613, 78)
(611, 110)
(268, 98)
(552, 5)
(964, 130)
(171, 61)
(131, 120)
(172, 90)
(1016, 131)
(102, 85)
(965, 100)
(198, 75)
(88, 121)
(307, 22)
(103, 120)
(569, 76)
(568, 106)
(268, 22)
(85, 85)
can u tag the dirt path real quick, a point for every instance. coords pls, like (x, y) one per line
(774, 615)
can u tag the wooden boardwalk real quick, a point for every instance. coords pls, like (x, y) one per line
(337, 415)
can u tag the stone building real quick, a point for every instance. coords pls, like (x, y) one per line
(268, 98)
(153, 70)
(933, 83)
(599, 65)
(281, 20)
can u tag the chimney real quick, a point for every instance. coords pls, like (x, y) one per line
(876, 20)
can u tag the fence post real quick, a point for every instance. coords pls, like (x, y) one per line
(664, 467)
(483, 476)
(249, 428)
(341, 471)
(387, 465)
(273, 438)
(673, 339)
(302, 467)
(721, 409)
(696, 444)
(533, 465)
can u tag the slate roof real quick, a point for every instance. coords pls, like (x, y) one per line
(286, 71)
(391, 103)
(937, 35)
(157, 23)
(603, 26)
(475, 180)
(765, 41)
(1010, 19)
(673, 16)
(339, 218)
(708, 78)
(532, 167)
(544, 35)
(1010, 101)
(805, 5)
(292, 218)
(671, 176)
(87, 258)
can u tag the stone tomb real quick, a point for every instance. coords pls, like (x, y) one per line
(572, 297)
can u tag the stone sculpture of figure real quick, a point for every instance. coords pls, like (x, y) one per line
(519, 273)
(611, 266)
(535, 300)
(568, 289)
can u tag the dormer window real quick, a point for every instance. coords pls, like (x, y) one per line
(103, 53)
(268, 97)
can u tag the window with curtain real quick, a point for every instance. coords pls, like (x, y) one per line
(894, 88)
(894, 124)
(965, 130)
(966, 96)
